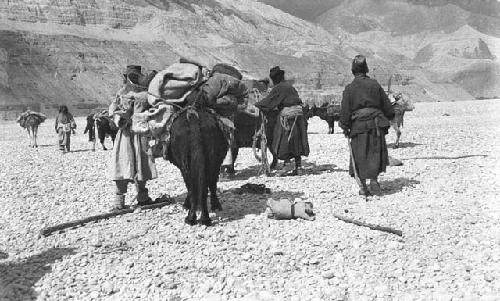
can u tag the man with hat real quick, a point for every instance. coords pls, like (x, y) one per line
(134, 75)
(131, 159)
(364, 117)
(290, 132)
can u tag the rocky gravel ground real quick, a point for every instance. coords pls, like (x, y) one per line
(445, 199)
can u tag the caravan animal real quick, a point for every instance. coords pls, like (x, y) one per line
(31, 120)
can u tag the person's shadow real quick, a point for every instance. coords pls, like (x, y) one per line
(393, 186)
(18, 278)
(309, 168)
(237, 206)
(240, 175)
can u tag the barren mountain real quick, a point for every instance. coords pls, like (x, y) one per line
(450, 42)
(443, 49)
(73, 52)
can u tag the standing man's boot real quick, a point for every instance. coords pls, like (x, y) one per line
(363, 190)
(119, 203)
(298, 164)
(375, 187)
(142, 194)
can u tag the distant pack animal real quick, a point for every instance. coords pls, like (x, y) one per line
(401, 104)
(327, 112)
(105, 127)
(30, 121)
(248, 123)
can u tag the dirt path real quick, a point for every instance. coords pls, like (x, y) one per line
(444, 198)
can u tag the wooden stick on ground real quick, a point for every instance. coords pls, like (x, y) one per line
(371, 226)
(49, 230)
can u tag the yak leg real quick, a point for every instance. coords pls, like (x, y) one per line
(35, 136)
(102, 136)
(187, 200)
(331, 124)
(204, 218)
(190, 205)
(214, 199)
(29, 135)
(230, 168)
(395, 126)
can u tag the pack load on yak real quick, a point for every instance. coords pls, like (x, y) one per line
(325, 105)
(39, 117)
(166, 93)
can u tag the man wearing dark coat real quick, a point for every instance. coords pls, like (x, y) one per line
(290, 132)
(364, 117)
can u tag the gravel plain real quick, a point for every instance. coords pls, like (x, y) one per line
(445, 199)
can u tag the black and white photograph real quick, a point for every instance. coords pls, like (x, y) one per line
(250, 150)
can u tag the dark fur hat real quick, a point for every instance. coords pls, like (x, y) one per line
(276, 74)
(134, 74)
(359, 64)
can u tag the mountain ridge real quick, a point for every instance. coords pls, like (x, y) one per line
(73, 52)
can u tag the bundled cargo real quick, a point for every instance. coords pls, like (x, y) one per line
(174, 83)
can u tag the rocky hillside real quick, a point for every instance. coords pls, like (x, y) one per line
(442, 48)
(73, 52)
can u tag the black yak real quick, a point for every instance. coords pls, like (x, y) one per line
(197, 147)
(105, 127)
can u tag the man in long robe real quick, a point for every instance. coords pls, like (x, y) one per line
(364, 117)
(290, 132)
(132, 162)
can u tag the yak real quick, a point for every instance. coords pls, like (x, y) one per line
(401, 104)
(248, 124)
(31, 120)
(326, 112)
(197, 147)
(105, 127)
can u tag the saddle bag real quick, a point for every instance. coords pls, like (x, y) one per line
(174, 82)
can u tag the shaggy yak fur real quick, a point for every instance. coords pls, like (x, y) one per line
(245, 128)
(247, 124)
(197, 147)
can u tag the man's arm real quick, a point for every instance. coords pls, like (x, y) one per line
(345, 112)
(387, 107)
(270, 102)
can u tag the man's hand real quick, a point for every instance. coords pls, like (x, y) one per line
(346, 133)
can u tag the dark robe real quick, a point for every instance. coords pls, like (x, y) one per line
(365, 113)
(290, 141)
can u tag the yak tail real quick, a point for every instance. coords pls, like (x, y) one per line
(197, 164)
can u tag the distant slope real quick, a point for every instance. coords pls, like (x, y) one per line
(450, 42)
(478, 11)
(73, 52)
